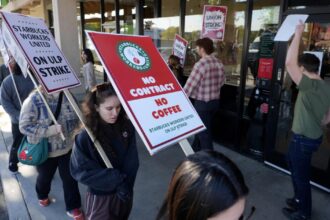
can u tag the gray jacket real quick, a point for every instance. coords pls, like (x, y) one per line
(9, 98)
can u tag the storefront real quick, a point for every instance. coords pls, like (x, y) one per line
(254, 63)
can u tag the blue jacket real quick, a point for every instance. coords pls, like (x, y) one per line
(9, 98)
(87, 166)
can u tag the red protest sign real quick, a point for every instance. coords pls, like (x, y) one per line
(214, 21)
(36, 42)
(265, 69)
(149, 92)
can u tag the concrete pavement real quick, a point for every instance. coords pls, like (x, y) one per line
(268, 187)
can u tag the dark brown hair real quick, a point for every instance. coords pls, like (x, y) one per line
(202, 186)
(94, 121)
(207, 44)
(310, 62)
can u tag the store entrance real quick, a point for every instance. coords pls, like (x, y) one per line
(316, 38)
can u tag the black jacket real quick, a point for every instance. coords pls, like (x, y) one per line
(87, 166)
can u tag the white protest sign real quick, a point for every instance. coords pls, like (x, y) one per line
(179, 48)
(3, 49)
(41, 51)
(288, 27)
(214, 22)
(15, 51)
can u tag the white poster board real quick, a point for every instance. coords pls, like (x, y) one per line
(288, 27)
(41, 51)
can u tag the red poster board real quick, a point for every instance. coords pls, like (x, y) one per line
(214, 22)
(179, 48)
(265, 69)
(156, 104)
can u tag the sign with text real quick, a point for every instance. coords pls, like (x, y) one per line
(265, 68)
(156, 104)
(214, 21)
(34, 39)
(9, 46)
(179, 48)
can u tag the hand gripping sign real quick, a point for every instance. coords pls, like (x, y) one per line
(147, 89)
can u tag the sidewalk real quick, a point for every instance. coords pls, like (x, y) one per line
(268, 187)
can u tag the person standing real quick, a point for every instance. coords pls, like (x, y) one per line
(4, 71)
(311, 108)
(11, 102)
(36, 123)
(203, 86)
(88, 69)
(110, 190)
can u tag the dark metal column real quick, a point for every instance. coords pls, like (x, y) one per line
(244, 67)
(117, 16)
(82, 24)
(102, 11)
(139, 16)
(182, 17)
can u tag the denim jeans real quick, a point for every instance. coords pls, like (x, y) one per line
(299, 158)
(206, 111)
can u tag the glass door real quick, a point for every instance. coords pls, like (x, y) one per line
(315, 38)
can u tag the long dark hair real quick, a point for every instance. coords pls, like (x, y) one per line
(202, 186)
(93, 120)
(89, 55)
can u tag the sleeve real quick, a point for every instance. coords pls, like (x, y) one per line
(193, 80)
(88, 171)
(29, 123)
(89, 75)
(7, 100)
(131, 165)
(306, 83)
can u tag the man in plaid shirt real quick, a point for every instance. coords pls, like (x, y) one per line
(203, 86)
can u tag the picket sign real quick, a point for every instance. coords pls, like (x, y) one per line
(152, 98)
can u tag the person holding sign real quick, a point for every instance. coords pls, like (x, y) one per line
(175, 66)
(203, 86)
(110, 190)
(14, 90)
(88, 69)
(206, 185)
(311, 111)
(35, 123)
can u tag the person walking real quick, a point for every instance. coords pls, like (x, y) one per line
(4, 71)
(36, 123)
(110, 190)
(203, 87)
(311, 108)
(11, 100)
(88, 69)
(205, 186)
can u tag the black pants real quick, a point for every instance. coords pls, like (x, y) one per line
(46, 173)
(206, 111)
(17, 139)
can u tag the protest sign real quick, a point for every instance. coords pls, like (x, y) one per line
(179, 48)
(9, 46)
(288, 26)
(214, 21)
(41, 51)
(156, 104)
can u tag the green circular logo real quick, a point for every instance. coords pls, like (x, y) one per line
(134, 56)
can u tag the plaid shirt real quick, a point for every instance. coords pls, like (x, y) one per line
(206, 79)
